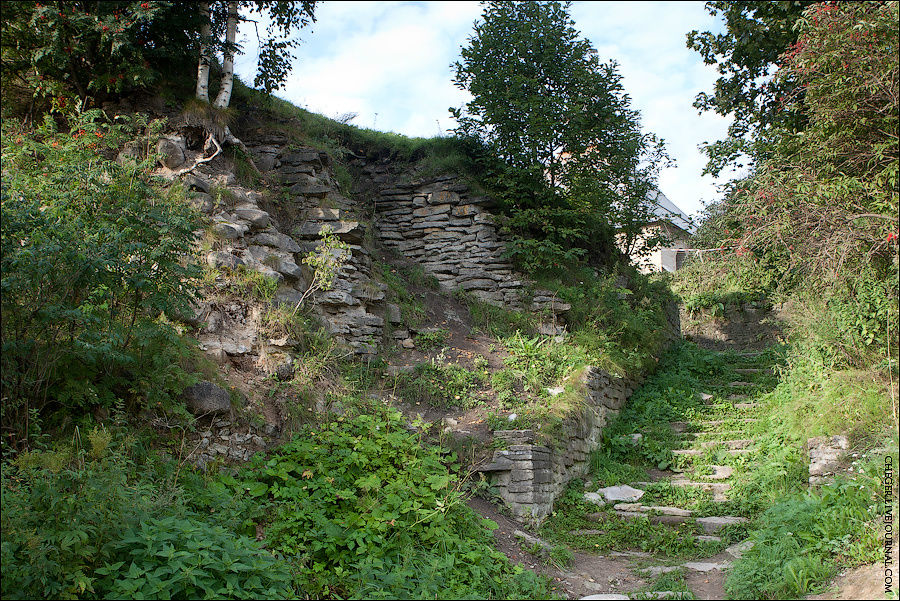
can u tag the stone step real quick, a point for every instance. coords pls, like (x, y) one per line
(739, 384)
(726, 434)
(661, 510)
(666, 520)
(713, 524)
(684, 427)
(747, 406)
(718, 489)
(712, 423)
(720, 472)
(700, 452)
(740, 443)
(755, 370)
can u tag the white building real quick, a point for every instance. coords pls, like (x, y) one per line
(674, 227)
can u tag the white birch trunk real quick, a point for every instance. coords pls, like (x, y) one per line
(205, 58)
(224, 97)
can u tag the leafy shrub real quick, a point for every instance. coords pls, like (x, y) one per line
(189, 558)
(367, 511)
(92, 256)
(105, 523)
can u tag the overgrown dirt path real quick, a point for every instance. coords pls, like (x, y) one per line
(674, 532)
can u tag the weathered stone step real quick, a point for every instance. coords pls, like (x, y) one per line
(713, 423)
(747, 406)
(684, 427)
(699, 452)
(720, 472)
(740, 443)
(660, 510)
(718, 489)
(713, 524)
(739, 384)
(755, 370)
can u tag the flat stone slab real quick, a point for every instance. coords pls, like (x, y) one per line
(709, 538)
(741, 384)
(654, 571)
(740, 443)
(587, 532)
(607, 597)
(595, 498)
(623, 492)
(720, 472)
(711, 525)
(705, 566)
(737, 550)
(746, 406)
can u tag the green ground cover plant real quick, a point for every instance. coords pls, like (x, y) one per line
(441, 385)
(806, 537)
(365, 509)
(108, 519)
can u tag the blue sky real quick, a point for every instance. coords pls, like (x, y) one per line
(389, 62)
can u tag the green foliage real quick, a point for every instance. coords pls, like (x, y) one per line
(619, 318)
(431, 156)
(561, 149)
(92, 263)
(805, 538)
(441, 385)
(365, 510)
(164, 558)
(836, 182)
(58, 49)
(432, 339)
(104, 523)
(495, 321)
(412, 309)
(756, 34)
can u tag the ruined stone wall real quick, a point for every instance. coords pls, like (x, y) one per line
(530, 472)
(530, 475)
(452, 234)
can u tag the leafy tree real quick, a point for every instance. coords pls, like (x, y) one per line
(569, 147)
(91, 48)
(92, 256)
(746, 55)
(275, 51)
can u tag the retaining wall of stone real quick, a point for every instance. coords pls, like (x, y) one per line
(530, 475)
(452, 234)
(532, 471)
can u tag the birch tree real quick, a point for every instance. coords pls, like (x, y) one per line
(276, 42)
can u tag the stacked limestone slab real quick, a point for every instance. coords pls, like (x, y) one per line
(452, 234)
(530, 476)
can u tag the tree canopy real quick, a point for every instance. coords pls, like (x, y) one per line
(569, 144)
(746, 55)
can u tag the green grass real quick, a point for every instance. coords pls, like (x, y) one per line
(441, 385)
(338, 137)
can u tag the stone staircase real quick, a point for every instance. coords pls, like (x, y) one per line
(713, 447)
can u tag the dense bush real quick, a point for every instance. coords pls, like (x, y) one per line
(367, 511)
(100, 523)
(92, 262)
(818, 218)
